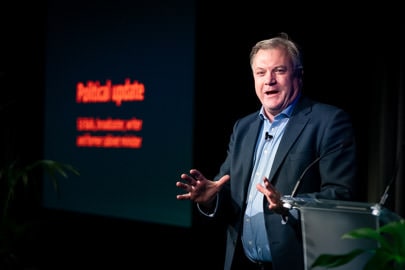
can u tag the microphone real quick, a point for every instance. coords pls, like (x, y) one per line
(385, 194)
(297, 185)
(287, 200)
(268, 136)
(377, 208)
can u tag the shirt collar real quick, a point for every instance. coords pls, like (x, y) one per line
(286, 112)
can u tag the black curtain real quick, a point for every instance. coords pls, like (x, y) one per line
(385, 147)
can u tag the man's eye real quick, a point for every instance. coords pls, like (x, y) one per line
(280, 70)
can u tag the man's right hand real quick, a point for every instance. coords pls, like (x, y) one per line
(200, 189)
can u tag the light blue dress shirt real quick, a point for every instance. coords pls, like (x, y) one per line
(254, 236)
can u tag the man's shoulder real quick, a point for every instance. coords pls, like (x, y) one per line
(249, 117)
(316, 106)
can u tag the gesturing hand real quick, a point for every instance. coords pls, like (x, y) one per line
(273, 197)
(198, 188)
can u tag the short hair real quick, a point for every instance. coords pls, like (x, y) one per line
(281, 41)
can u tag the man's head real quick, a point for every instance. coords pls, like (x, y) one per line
(277, 71)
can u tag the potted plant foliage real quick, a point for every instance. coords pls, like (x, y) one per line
(388, 254)
(17, 181)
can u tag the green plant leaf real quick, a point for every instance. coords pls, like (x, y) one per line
(335, 260)
(53, 169)
(389, 253)
(12, 174)
(395, 234)
(382, 260)
(362, 233)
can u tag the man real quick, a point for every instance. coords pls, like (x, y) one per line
(267, 153)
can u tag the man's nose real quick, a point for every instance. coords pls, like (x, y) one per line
(271, 81)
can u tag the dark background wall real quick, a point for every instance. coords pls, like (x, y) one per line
(349, 54)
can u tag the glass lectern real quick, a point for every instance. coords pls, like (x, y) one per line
(325, 221)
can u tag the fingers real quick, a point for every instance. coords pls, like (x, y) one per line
(197, 174)
(181, 185)
(199, 188)
(189, 184)
(223, 180)
(188, 179)
(273, 197)
(185, 187)
(183, 196)
(272, 194)
(269, 185)
(192, 177)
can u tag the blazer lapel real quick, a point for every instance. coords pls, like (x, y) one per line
(296, 124)
(248, 151)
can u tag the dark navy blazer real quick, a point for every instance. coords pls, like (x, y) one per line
(314, 129)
